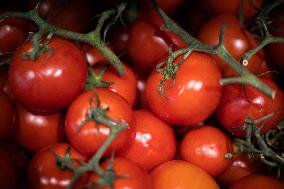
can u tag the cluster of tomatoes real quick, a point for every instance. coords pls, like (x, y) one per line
(175, 139)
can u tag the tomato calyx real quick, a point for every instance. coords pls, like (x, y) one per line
(95, 79)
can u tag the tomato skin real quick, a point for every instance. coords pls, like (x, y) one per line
(51, 82)
(215, 7)
(257, 181)
(137, 178)
(45, 129)
(206, 147)
(181, 174)
(123, 85)
(8, 173)
(194, 96)
(87, 139)
(169, 6)
(237, 41)
(238, 104)
(154, 141)
(145, 32)
(43, 172)
(7, 113)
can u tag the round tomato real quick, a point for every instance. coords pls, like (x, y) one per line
(240, 102)
(169, 6)
(52, 81)
(45, 129)
(181, 174)
(87, 137)
(154, 141)
(8, 172)
(193, 97)
(237, 41)
(44, 173)
(257, 181)
(206, 147)
(6, 116)
(135, 176)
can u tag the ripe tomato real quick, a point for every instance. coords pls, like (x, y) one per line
(238, 103)
(135, 176)
(169, 6)
(145, 32)
(87, 137)
(44, 173)
(45, 129)
(123, 85)
(215, 7)
(52, 81)
(257, 181)
(6, 116)
(194, 96)
(237, 41)
(154, 141)
(93, 56)
(206, 147)
(181, 174)
(8, 172)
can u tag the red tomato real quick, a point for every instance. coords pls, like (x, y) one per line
(44, 173)
(8, 172)
(206, 147)
(51, 82)
(194, 96)
(241, 166)
(148, 43)
(87, 137)
(258, 182)
(123, 85)
(232, 7)
(238, 103)
(4, 85)
(168, 6)
(181, 174)
(93, 56)
(141, 102)
(237, 41)
(6, 116)
(136, 177)
(45, 129)
(154, 141)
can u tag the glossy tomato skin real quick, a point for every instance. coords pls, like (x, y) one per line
(238, 103)
(181, 174)
(206, 147)
(52, 81)
(7, 113)
(194, 96)
(237, 41)
(43, 172)
(215, 7)
(92, 55)
(137, 178)
(257, 181)
(45, 129)
(154, 141)
(145, 32)
(8, 172)
(123, 85)
(87, 138)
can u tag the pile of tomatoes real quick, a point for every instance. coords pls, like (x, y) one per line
(62, 103)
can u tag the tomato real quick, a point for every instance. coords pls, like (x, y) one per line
(238, 103)
(135, 176)
(154, 141)
(237, 41)
(6, 116)
(123, 85)
(44, 173)
(194, 96)
(52, 81)
(119, 39)
(206, 147)
(141, 102)
(45, 129)
(241, 166)
(87, 137)
(181, 174)
(215, 7)
(147, 43)
(8, 173)
(258, 181)
(169, 6)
